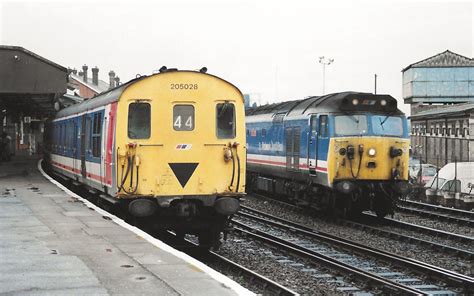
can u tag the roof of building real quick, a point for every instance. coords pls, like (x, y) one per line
(446, 110)
(19, 48)
(444, 59)
(103, 86)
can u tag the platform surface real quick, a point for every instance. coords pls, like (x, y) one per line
(51, 244)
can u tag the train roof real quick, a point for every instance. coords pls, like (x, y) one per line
(113, 95)
(336, 102)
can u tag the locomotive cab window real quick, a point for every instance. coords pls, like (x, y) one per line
(225, 115)
(350, 125)
(183, 117)
(139, 121)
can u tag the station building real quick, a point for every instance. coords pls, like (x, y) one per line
(440, 90)
(33, 88)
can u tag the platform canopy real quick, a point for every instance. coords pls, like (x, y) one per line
(29, 83)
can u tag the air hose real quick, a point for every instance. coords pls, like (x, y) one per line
(361, 153)
(233, 170)
(130, 161)
(238, 170)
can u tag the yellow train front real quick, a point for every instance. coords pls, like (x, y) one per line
(180, 142)
(169, 149)
(344, 151)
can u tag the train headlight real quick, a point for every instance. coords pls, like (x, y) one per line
(355, 102)
(371, 152)
(383, 102)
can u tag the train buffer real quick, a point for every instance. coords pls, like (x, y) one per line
(52, 243)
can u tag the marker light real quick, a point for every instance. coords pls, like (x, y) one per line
(355, 102)
(383, 102)
(371, 152)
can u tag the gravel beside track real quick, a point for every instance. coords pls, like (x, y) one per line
(304, 278)
(407, 249)
(435, 223)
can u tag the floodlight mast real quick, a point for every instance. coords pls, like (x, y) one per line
(325, 62)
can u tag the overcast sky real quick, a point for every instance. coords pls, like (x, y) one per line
(267, 48)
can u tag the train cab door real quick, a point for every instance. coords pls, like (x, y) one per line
(83, 145)
(312, 145)
(322, 143)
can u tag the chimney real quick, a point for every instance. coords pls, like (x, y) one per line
(95, 75)
(81, 73)
(84, 69)
(117, 81)
(111, 79)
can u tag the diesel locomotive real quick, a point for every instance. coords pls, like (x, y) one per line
(168, 148)
(345, 151)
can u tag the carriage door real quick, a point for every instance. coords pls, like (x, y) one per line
(292, 137)
(312, 145)
(83, 145)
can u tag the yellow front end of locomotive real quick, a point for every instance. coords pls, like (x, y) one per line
(368, 158)
(194, 144)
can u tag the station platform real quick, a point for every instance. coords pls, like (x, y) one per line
(55, 243)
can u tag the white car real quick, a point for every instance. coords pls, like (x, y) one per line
(453, 178)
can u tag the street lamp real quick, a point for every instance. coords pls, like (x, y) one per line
(325, 61)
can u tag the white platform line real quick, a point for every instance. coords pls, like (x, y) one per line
(157, 243)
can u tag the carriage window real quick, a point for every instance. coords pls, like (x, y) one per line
(323, 126)
(225, 114)
(314, 124)
(183, 117)
(139, 121)
(97, 134)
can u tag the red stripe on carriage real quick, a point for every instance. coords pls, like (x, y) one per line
(109, 144)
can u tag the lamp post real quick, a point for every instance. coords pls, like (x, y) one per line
(325, 61)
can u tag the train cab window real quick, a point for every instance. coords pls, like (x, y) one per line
(351, 125)
(97, 134)
(225, 115)
(183, 117)
(139, 119)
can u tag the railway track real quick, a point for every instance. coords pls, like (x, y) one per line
(293, 237)
(452, 215)
(371, 223)
(252, 280)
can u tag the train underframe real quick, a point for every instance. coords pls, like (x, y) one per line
(204, 216)
(347, 197)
